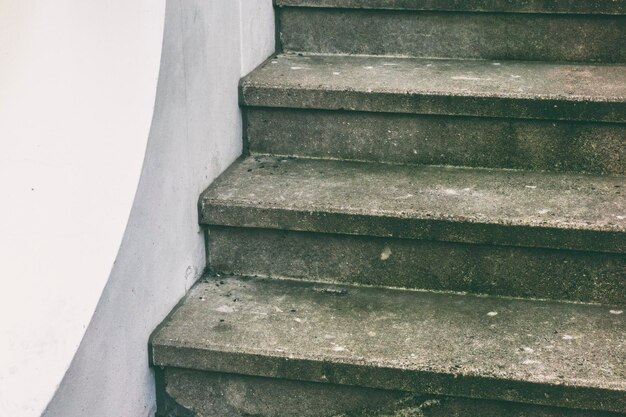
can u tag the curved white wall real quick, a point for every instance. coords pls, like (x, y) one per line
(195, 134)
(77, 89)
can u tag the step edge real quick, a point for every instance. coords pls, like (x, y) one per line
(229, 213)
(608, 110)
(225, 361)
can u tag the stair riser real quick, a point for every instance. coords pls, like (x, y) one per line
(227, 395)
(495, 270)
(438, 140)
(503, 36)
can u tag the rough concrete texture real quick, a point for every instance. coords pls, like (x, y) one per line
(213, 394)
(511, 6)
(521, 208)
(438, 140)
(512, 36)
(524, 90)
(207, 394)
(536, 352)
(479, 269)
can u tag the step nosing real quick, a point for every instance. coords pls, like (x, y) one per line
(272, 355)
(426, 93)
(417, 216)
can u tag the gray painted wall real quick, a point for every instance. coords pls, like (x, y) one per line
(195, 135)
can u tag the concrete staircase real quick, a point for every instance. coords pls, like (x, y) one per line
(429, 220)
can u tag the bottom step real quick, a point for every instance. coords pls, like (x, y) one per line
(522, 351)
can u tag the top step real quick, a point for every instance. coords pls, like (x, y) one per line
(610, 7)
(537, 30)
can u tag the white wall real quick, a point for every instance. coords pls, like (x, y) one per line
(77, 88)
(195, 134)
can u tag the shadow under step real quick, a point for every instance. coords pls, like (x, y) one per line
(486, 348)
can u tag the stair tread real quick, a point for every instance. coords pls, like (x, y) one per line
(475, 205)
(486, 347)
(535, 90)
(559, 6)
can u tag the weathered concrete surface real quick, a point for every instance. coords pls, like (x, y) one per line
(212, 394)
(439, 140)
(525, 351)
(520, 208)
(479, 269)
(512, 36)
(512, 6)
(526, 90)
(221, 395)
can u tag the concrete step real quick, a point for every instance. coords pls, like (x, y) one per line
(502, 232)
(348, 337)
(498, 207)
(522, 30)
(610, 7)
(187, 392)
(449, 112)
(524, 90)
